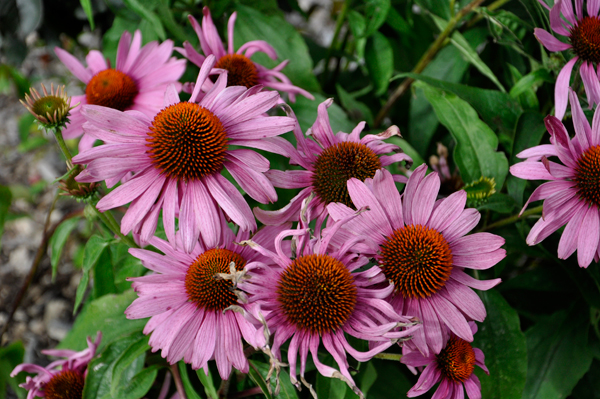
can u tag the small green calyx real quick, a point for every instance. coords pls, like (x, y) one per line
(479, 191)
(50, 109)
(70, 187)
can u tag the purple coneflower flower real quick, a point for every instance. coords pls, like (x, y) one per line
(61, 379)
(190, 304)
(420, 245)
(242, 71)
(137, 82)
(177, 159)
(452, 367)
(581, 31)
(330, 160)
(318, 297)
(572, 196)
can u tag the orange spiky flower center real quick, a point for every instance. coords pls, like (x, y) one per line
(187, 142)
(457, 360)
(587, 176)
(202, 284)
(111, 88)
(67, 384)
(417, 259)
(241, 71)
(317, 293)
(585, 39)
(338, 164)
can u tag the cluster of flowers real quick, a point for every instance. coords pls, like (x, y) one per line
(571, 196)
(363, 260)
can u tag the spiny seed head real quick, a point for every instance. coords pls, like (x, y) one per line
(77, 190)
(202, 285)
(585, 39)
(111, 88)
(241, 71)
(187, 142)
(417, 259)
(51, 110)
(457, 360)
(479, 191)
(67, 384)
(587, 176)
(338, 164)
(317, 293)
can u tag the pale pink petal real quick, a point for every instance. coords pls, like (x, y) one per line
(231, 201)
(74, 65)
(589, 236)
(96, 61)
(561, 90)
(549, 41)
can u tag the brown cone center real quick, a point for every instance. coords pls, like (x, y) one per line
(187, 141)
(241, 71)
(587, 176)
(111, 88)
(67, 384)
(457, 360)
(338, 164)
(585, 39)
(417, 259)
(203, 286)
(317, 293)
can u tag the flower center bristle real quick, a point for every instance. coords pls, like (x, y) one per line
(317, 293)
(187, 142)
(67, 384)
(585, 39)
(204, 288)
(111, 88)
(241, 71)
(457, 360)
(587, 176)
(338, 164)
(417, 259)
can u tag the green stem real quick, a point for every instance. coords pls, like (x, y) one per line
(63, 147)
(110, 222)
(492, 7)
(429, 55)
(389, 356)
(338, 27)
(514, 218)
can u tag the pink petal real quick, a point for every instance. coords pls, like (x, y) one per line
(561, 90)
(74, 65)
(231, 201)
(588, 237)
(549, 41)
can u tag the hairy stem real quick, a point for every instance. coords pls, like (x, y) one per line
(177, 379)
(429, 55)
(389, 356)
(63, 147)
(514, 218)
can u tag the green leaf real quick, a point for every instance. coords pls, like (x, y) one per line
(187, 384)
(104, 276)
(285, 39)
(147, 15)
(558, 355)
(58, 241)
(356, 110)
(139, 385)
(379, 59)
(357, 23)
(87, 7)
(5, 200)
(207, 383)
(376, 12)
(330, 387)
(100, 370)
(534, 78)
(306, 112)
(383, 379)
(475, 152)
(286, 389)
(104, 314)
(129, 355)
(500, 203)
(10, 357)
(528, 133)
(166, 16)
(497, 109)
(589, 386)
(259, 380)
(501, 340)
(91, 253)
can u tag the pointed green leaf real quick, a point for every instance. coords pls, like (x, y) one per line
(87, 7)
(58, 241)
(503, 344)
(379, 59)
(207, 382)
(91, 253)
(475, 152)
